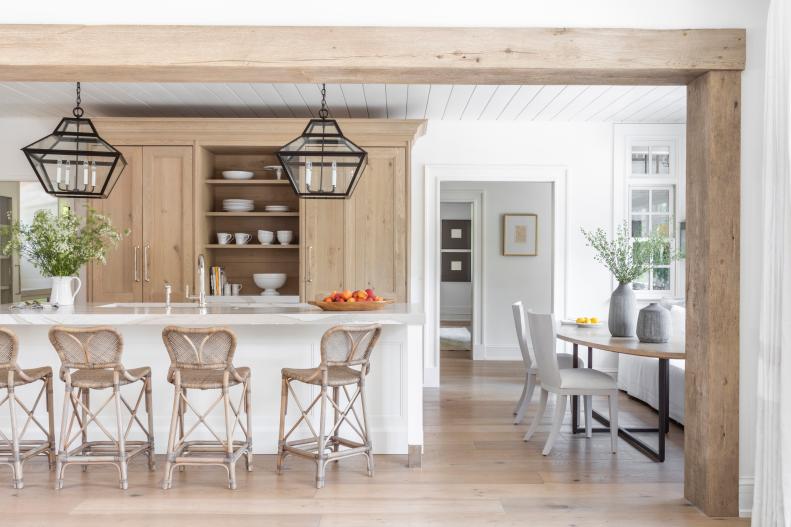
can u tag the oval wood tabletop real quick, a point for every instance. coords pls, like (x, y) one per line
(600, 338)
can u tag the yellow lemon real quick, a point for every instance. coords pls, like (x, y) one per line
(582, 320)
(594, 320)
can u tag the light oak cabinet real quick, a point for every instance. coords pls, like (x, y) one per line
(154, 200)
(361, 242)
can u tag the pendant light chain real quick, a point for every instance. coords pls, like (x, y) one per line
(78, 111)
(324, 112)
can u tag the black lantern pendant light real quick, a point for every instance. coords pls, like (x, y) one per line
(73, 161)
(322, 163)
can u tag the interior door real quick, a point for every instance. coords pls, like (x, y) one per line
(120, 279)
(323, 246)
(167, 221)
(377, 226)
(10, 279)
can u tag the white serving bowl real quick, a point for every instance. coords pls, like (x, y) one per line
(266, 237)
(285, 237)
(237, 174)
(269, 282)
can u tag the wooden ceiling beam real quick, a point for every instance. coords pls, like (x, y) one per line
(365, 54)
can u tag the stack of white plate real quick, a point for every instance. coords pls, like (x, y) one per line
(276, 208)
(237, 174)
(237, 205)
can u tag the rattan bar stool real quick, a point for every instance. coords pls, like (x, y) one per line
(14, 451)
(94, 354)
(345, 355)
(202, 359)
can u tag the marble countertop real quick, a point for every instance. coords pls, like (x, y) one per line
(157, 314)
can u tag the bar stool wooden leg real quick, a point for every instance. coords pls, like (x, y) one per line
(152, 462)
(121, 444)
(321, 461)
(174, 424)
(229, 458)
(249, 431)
(65, 427)
(52, 453)
(16, 467)
(281, 437)
(85, 396)
(336, 392)
(369, 454)
(182, 411)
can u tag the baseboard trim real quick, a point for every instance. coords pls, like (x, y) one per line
(746, 489)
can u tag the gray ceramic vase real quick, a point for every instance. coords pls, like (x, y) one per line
(622, 318)
(654, 324)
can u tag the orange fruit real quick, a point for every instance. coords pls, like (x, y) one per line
(346, 294)
(352, 300)
(327, 299)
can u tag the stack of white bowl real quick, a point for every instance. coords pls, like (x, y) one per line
(237, 205)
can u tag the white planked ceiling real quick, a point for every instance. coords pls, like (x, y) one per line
(621, 104)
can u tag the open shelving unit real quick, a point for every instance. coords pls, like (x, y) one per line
(242, 261)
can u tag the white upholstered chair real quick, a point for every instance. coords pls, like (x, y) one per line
(564, 383)
(565, 360)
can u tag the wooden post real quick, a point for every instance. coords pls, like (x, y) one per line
(711, 434)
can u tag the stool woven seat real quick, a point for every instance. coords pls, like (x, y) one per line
(345, 356)
(202, 359)
(336, 375)
(17, 446)
(91, 360)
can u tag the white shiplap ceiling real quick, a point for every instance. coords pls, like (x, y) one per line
(620, 104)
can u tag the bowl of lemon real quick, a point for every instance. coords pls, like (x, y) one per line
(588, 322)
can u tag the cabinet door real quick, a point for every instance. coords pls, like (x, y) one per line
(120, 279)
(167, 221)
(376, 226)
(322, 246)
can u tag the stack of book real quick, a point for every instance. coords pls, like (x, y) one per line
(216, 280)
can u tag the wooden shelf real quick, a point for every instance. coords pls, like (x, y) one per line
(252, 214)
(237, 182)
(251, 246)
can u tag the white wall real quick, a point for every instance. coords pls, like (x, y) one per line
(506, 279)
(679, 14)
(455, 297)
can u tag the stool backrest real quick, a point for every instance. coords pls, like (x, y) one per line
(93, 347)
(199, 348)
(543, 331)
(523, 335)
(349, 345)
(9, 347)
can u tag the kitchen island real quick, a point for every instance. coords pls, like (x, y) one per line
(270, 337)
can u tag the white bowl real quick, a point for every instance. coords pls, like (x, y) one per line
(276, 208)
(237, 174)
(269, 282)
(285, 237)
(266, 237)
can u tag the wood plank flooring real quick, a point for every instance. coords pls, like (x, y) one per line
(476, 471)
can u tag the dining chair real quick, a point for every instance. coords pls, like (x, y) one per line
(345, 361)
(202, 359)
(565, 360)
(564, 383)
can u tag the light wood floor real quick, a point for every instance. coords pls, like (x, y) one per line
(476, 471)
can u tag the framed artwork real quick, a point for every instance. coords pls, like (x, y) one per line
(520, 234)
(456, 267)
(456, 234)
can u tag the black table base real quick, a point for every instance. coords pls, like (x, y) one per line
(627, 434)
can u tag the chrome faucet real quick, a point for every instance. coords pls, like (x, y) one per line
(201, 298)
(168, 291)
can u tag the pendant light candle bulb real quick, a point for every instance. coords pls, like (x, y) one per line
(84, 173)
(334, 174)
(93, 173)
(57, 175)
(68, 172)
(308, 173)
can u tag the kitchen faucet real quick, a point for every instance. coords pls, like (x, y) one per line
(201, 298)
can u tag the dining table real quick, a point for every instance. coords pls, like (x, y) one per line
(599, 338)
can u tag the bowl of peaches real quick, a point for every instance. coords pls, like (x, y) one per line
(359, 300)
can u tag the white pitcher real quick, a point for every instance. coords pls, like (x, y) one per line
(62, 292)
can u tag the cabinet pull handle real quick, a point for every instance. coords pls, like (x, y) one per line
(137, 271)
(146, 278)
(309, 278)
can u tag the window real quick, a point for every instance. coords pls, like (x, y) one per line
(651, 212)
(650, 160)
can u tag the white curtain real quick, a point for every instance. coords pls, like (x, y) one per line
(772, 499)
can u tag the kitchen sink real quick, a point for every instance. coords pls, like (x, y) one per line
(150, 304)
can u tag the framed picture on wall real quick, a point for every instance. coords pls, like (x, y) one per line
(520, 234)
(456, 267)
(456, 234)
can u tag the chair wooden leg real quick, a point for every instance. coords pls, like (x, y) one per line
(322, 455)
(60, 467)
(248, 397)
(85, 396)
(16, 467)
(171, 453)
(588, 402)
(152, 461)
(182, 411)
(336, 392)
(366, 432)
(557, 422)
(229, 439)
(527, 396)
(281, 453)
(52, 452)
(542, 407)
(121, 443)
(614, 421)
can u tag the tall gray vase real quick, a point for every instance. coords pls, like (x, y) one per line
(622, 319)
